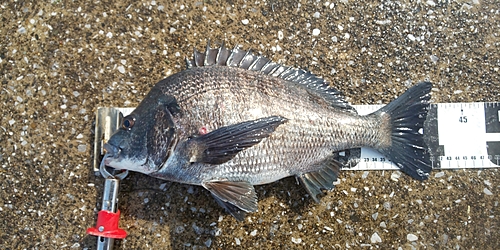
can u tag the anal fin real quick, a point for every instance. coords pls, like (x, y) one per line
(236, 197)
(321, 179)
(230, 208)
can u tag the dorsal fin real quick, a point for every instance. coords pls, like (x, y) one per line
(247, 60)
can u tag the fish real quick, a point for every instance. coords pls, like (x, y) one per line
(233, 119)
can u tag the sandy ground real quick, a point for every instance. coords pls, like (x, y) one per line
(60, 60)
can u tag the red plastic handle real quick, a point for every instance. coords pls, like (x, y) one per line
(107, 226)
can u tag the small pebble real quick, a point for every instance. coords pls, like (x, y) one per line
(245, 21)
(208, 242)
(487, 191)
(296, 240)
(198, 230)
(82, 148)
(316, 32)
(179, 229)
(365, 174)
(395, 175)
(280, 35)
(22, 30)
(387, 205)
(439, 174)
(411, 237)
(375, 238)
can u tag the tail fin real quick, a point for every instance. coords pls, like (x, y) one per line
(408, 113)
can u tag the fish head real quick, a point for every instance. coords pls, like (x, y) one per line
(147, 136)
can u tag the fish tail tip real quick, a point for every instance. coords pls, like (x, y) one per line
(408, 149)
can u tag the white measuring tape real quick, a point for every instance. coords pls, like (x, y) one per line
(459, 135)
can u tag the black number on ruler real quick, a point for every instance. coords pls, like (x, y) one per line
(463, 118)
(382, 159)
(366, 159)
(473, 157)
(374, 159)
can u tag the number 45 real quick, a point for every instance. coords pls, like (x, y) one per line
(462, 119)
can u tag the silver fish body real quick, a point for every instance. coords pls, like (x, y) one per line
(233, 120)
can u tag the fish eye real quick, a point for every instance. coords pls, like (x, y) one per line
(128, 122)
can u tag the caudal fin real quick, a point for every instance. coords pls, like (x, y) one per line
(408, 149)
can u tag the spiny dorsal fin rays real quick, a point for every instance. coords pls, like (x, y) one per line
(224, 55)
(199, 58)
(236, 56)
(247, 60)
(207, 54)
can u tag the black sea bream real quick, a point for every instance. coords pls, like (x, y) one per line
(233, 120)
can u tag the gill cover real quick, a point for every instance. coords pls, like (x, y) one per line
(161, 135)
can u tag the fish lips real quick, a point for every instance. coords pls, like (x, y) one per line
(111, 152)
(114, 158)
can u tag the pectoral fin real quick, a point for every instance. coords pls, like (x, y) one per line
(315, 181)
(222, 144)
(234, 196)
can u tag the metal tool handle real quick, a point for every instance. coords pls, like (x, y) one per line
(106, 228)
(109, 203)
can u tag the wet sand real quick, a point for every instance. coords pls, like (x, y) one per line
(60, 60)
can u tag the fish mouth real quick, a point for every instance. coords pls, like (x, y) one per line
(115, 159)
(111, 150)
(111, 154)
